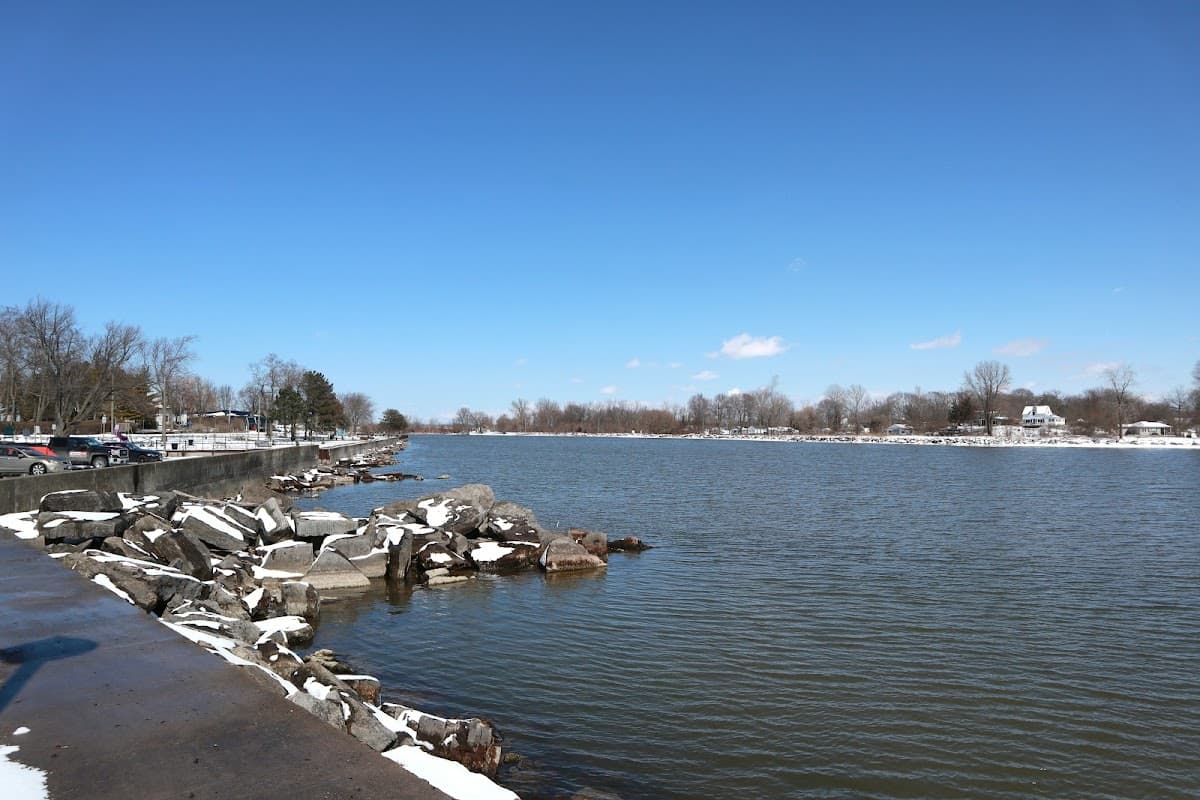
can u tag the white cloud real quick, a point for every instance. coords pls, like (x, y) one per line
(746, 346)
(733, 391)
(942, 341)
(1118, 290)
(1096, 369)
(633, 363)
(577, 379)
(675, 365)
(1022, 347)
(706, 375)
(797, 265)
(609, 390)
(520, 362)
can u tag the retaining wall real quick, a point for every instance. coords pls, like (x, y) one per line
(217, 474)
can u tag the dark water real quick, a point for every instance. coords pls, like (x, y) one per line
(817, 620)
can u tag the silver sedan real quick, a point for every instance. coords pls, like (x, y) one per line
(18, 461)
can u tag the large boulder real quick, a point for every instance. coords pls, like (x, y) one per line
(211, 525)
(78, 526)
(490, 556)
(148, 585)
(374, 564)
(437, 556)
(474, 743)
(399, 550)
(594, 542)
(183, 551)
(563, 555)
(92, 500)
(319, 524)
(351, 545)
(510, 522)
(332, 570)
(288, 556)
(462, 510)
(273, 524)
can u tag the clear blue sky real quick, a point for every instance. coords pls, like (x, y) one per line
(462, 204)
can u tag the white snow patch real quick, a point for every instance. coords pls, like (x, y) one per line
(22, 523)
(502, 523)
(317, 689)
(21, 731)
(106, 582)
(262, 572)
(490, 551)
(200, 637)
(268, 522)
(18, 781)
(253, 598)
(286, 544)
(436, 514)
(441, 558)
(88, 516)
(284, 624)
(448, 776)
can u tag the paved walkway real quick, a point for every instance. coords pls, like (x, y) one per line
(120, 707)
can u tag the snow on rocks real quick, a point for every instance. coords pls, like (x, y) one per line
(243, 580)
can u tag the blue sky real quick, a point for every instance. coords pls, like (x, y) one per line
(462, 204)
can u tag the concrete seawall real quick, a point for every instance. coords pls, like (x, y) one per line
(216, 474)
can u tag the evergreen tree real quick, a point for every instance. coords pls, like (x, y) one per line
(393, 421)
(322, 408)
(289, 407)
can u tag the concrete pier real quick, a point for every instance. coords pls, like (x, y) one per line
(118, 706)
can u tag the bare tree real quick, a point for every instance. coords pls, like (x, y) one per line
(225, 396)
(1119, 379)
(166, 361)
(856, 397)
(834, 406)
(359, 410)
(1180, 401)
(699, 412)
(521, 413)
(56, 347)
(987, 382)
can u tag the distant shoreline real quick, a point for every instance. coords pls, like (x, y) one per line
(1076, 442)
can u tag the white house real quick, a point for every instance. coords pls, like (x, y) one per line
(1041, 421)
(899, 429)
(1144, 428)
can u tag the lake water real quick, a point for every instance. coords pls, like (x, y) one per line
(817, 620)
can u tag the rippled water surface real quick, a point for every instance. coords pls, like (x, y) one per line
(817, 620)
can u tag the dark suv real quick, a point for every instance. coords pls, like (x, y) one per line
(87, 451)
(139, 454)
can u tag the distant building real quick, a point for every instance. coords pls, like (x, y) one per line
(899, 429)
(1041, 421)
(1144, 428)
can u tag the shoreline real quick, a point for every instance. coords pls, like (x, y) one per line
(1074, 442)
(245, 580)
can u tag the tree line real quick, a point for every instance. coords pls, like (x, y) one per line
(985, 398)
(55, 375)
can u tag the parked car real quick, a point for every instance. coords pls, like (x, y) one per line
(16, 460)
(88, 450)
(139, 455)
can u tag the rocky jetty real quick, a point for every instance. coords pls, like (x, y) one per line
(243, 577)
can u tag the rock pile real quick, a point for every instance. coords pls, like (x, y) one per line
(242, 577)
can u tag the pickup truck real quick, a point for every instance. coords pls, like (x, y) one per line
(87, 451)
